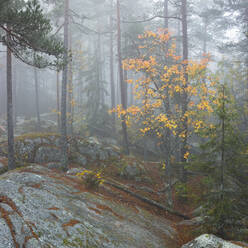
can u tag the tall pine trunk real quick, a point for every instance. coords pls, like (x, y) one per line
(37, 100)
(168, 112)
(14, 93)
(64, 155)
(11, 151)
(58, 99)
(111, 63)
(184, 97)
(122, 86)
(70, 84)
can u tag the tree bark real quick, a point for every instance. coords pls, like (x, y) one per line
(166, 11)
(14, 93)
(184, 147)
(222, 144)
(70, 84)
(122, 86)
(111, 62)
(64, 154)
(168, 112)
(37, 100)
(58, 100)
(11, 150)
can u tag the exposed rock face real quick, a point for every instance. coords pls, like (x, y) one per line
(40, 209)
(44, 148)
(47, 153)
(210, 241)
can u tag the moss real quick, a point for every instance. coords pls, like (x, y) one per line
(38, 135)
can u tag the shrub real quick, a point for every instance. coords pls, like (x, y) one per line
(91, 179)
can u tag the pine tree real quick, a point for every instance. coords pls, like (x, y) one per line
(27, 37)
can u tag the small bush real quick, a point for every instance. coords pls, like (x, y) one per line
(91, 179)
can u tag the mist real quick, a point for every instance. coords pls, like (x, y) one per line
(144, 102)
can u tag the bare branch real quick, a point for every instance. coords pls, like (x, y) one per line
(152, 18)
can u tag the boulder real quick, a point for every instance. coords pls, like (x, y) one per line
(210, 241)
(79, 159)
(54, 165)
(132, 170)
(40, 210)
(46, 154)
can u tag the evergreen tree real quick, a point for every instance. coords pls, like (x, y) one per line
(27, 36)
(223, 162)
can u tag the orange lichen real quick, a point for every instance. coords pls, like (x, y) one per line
(95, 210)
(104, 207)
(36, 186)
(71, 223)
(53, 208)
(5, 216)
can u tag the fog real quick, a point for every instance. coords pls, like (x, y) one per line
(164, 81)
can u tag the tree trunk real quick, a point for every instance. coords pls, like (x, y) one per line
(205, 35)
(111, 62)
(168, 112)
(70, 84)
(58, 100)
(166, 10)
(184, 97)
(122, 86)
(11, 151)
(14, 94)
(37, 101)
(222, 144)
(64, 155)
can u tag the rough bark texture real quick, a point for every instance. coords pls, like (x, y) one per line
(122, 86)
(64, 155)
(11, 152)
(58, 99)
(184, 98)
(70, 84)
(37, 98)
(111, 62)
(168, 112)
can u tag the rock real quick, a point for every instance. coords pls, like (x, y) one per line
(54, 165)
(79, 159)
(94, 150)
(46, 154)
(133, 170)
(1, 166)
(47, 211)
(25, 150)
(198, 211)
(74, 171)
(209, 241)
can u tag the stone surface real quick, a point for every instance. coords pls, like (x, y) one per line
(44, 148)
(1, 165)
(46, 154)
(54, 165)
(43, 209)
(209, 241)
(80, 159)
(132, 170)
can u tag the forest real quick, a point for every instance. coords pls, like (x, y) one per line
(123, 123)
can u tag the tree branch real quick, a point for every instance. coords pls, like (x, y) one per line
(152, 18)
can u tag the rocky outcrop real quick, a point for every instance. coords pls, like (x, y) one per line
(210, 241)
(42, 209)
(45, 148)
